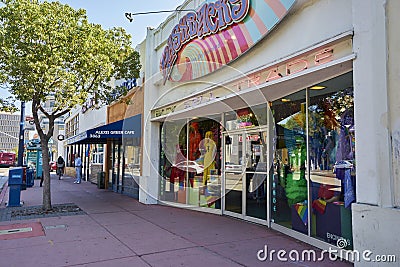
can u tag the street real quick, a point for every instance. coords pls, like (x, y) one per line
(3, 176)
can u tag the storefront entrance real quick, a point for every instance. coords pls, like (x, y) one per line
(117, 170)
(125, 167)
(245, 174)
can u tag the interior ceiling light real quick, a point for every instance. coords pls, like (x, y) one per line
(285, 100)
(317, 87)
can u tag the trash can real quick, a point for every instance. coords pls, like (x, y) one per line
(101, 180)
(29, 177)
(15, 178)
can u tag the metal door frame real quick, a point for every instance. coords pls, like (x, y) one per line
(245, 133)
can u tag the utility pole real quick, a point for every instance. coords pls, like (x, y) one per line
(21, 136)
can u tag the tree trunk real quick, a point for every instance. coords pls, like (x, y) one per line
(44, 142)
(46, 175)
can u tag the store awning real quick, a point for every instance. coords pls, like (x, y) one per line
(128, 128)
(270, 91)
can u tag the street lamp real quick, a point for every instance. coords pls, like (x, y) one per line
(21, 136)
(129, 16)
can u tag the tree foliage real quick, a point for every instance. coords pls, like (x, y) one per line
(51, 50)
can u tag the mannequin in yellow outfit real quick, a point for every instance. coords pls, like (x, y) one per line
(209, 156)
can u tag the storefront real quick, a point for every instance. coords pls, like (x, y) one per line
(124, 139)
(124, 155)
(123, 159)
(270, 163)
(253, 115)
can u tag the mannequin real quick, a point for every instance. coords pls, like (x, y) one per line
(177, 172)
(194, 141)
(209, 156)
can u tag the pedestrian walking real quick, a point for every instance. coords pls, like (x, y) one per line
(78, 169)
(60, 167)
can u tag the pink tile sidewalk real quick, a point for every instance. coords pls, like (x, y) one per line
(119, 231)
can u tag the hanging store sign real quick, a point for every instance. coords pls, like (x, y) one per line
(211, 18)
(90, 103)
(217, 34)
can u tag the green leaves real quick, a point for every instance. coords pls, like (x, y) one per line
(51, 49)
(8, 105)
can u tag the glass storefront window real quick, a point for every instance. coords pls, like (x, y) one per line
(313, 181)
(288, 180)
(190, 162)
(246, 117)
(332, 165)
(173, 156)
(311, 139)
(97, 153)
(132, 155)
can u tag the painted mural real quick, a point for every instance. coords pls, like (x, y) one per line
(218, 33)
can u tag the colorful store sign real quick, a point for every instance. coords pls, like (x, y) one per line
(284, 69)
(261, 78)
(217, 34)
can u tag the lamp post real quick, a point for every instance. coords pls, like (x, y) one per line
(129, 16)
(21, 136)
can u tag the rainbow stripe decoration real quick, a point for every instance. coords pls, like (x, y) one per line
(319, 205)
(302, 211)
(203, 55)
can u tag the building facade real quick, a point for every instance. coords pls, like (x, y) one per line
(278, 112)
(77, 122)
(124, 154)
(108, 139)
(9, 131)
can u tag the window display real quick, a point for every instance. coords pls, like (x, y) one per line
(191, 176)
(318, 122)
(332, 164)
(289, 184)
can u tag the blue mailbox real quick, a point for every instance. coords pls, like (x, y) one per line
(15, 183)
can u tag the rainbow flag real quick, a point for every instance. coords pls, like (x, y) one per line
(319, 205)
(302, 211)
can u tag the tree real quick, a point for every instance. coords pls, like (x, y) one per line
(50, 49)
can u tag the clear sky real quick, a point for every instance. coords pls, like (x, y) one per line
(112, 14)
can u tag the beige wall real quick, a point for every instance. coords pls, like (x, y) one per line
(120, 110)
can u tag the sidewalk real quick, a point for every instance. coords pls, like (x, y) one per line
(119, 231)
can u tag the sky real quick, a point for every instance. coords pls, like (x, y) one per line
(111, 14)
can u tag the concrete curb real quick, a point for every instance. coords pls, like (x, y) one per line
(3, 192)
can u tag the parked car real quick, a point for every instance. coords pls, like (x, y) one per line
(53, 166)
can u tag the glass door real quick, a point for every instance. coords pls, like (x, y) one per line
(120, 169)
(256, 174)
(114, 166)
(245, 174)
(117, 168)
(233, 174)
